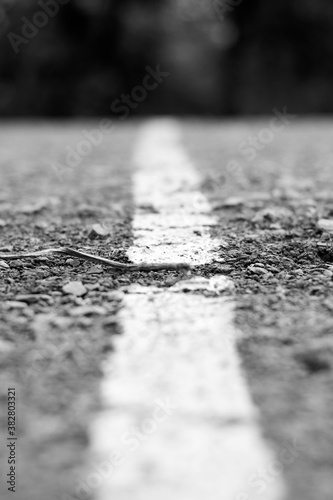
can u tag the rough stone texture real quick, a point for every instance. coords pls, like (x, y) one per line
(286, 319)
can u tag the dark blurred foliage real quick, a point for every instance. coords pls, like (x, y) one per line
(224, 57)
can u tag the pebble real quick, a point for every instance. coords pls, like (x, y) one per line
(12, 304)
(17, 264)
(75, 288)
(111, 321)
(93, 286)
(231, 202)
(8, 248)
(73, 262)
(127, 281)
(43, 259)
(28, 274)
(273, 269)
(115, 296)
(251, 237)
(61, 322)
(325, 225)
(2, 223)
(219, 260)
(257, 270)
(276, 226)
(95, 270)
(4, 264)
(32, 208)
(88, 311)
(85, 322)
(98, 231)
(42, 225)
(29, 299)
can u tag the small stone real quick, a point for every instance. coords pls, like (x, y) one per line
(127, 281)
(148, 207)
(88, 311)
(98, 231)
(8, 248)
(115, 296)
(43, 259)
(12, 304)
(2, 223)
(218, 260)
(110, 322)
(216, 284)
(276, 226)
(42, 224)
(93, 286)
(251, 237)
(4, 264)
(326, 225)
(73, 262)
(171, 281)
(33, 208)
(233, 201)
(230, 202)
(29, 274)
(85, 322)
(273, 269)
(29, 299)
(61, 322)
(226, 269)
(75, 288)
(17, 264)
(257, 270)
(95, 270)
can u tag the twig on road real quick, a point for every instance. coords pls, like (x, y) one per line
(99, 260)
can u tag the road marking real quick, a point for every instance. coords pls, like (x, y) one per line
(178, 422)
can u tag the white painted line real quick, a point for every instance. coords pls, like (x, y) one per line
(178, 422)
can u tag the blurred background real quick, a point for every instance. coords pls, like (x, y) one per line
(68, 58)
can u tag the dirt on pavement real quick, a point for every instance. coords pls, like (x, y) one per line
(52, 342)
(281, 261)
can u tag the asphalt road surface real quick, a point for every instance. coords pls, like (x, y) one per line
(241, 344)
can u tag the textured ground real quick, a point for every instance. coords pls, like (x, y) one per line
(281, 263)
(52, 344)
